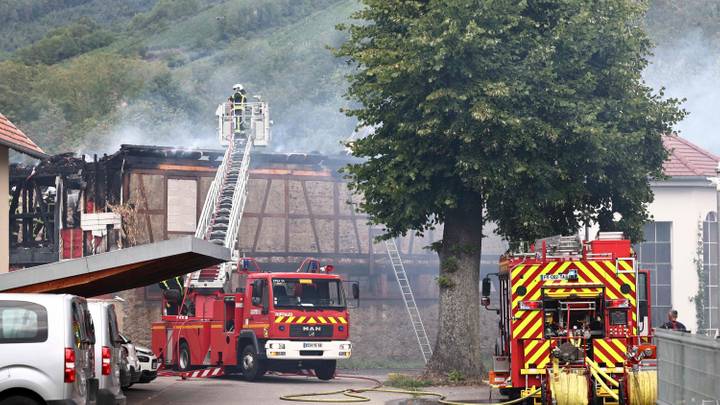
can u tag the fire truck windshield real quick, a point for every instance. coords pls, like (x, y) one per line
(307, 293)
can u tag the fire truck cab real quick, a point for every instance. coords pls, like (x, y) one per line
(573, 314)
(266, 322)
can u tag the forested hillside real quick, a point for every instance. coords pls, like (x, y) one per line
(91, 74)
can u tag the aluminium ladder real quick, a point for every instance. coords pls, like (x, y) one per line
(408, 298)
(225, 203)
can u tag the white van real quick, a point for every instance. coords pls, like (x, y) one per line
(107, 353)
(46, 350)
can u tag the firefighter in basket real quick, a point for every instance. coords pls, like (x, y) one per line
(239, 101)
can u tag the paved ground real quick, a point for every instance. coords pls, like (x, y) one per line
(233, 390)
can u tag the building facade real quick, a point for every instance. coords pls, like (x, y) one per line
(680, 247)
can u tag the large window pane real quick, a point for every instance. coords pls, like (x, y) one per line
(663, 295)
(649, 232)
(648, 253)
(711, 232)
(656, 255)
(662, 274)
(662, 252)
(710, 260)
(662, 231)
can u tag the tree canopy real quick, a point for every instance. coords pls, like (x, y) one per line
(531, 114)
(538, 106)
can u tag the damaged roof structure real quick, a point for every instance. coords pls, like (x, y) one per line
(297, 206)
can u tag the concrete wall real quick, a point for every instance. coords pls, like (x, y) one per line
(683, 203)
(688, 368)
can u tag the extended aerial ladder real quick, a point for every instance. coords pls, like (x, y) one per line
(242, 125)
(408, 298)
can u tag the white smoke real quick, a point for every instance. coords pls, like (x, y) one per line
(689, 67)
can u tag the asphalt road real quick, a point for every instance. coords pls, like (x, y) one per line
(233, 390)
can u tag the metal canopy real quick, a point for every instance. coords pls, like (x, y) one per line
(117, 270)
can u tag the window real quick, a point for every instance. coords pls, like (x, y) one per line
(22, 322)
(83, 327)
(181, 205)
(298, 292)
(655, 254)
(710, 267)
(113, 325)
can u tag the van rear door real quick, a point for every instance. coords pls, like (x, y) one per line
(83, 332)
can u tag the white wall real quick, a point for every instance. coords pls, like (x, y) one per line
(683, 204)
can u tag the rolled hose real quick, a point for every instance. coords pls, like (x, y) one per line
(353, 395)
(642, 387)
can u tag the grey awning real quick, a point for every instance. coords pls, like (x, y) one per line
(117, 270)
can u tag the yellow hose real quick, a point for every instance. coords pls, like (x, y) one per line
(611, 392)
(596, 367)
(642, 387)
(569, 388)
(354, 396)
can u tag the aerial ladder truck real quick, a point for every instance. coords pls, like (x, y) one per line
(574, 324)
(235, 316)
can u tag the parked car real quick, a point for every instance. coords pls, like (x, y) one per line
(46, 350)
(108, 353)
(148, 364)
(130, 374)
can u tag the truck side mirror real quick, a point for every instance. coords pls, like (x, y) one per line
(486, 287)
(356, 291)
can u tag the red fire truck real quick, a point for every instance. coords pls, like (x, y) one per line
(574, 324)
(269, 321)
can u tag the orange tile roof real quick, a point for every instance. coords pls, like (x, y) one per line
(14, 138)
(688, 159)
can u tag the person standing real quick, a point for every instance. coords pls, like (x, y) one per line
(239, 100)
(673, 323)
(172, 292)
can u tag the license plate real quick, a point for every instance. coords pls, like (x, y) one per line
(312, 345)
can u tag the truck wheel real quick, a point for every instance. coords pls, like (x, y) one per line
(326, 370)
(250, 364)
(184, 357)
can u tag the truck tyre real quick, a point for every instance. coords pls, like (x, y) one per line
(250, 364)
(184, 357)
(326, 370)
(18, 400)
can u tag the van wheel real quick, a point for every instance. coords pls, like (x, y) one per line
(184, 357)
(18, 400)
(326, 370)
(250, 364)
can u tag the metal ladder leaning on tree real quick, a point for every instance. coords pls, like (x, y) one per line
(408, 298)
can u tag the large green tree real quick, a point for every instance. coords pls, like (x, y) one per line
(531, 114)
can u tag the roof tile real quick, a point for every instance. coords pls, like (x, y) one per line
(14, 138)
(687, 159)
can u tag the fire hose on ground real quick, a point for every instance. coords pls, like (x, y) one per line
(354, 395)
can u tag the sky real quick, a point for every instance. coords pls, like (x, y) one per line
(689, 67)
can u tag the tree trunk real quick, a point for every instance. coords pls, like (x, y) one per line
(458, 341)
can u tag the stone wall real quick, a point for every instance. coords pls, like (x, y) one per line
(381, 332)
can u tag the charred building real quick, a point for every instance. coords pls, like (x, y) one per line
(298, 206)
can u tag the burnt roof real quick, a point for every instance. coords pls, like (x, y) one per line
(152, 154)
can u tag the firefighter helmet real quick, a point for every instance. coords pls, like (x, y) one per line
(238, 87)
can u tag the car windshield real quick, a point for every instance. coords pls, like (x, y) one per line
(307, 293)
